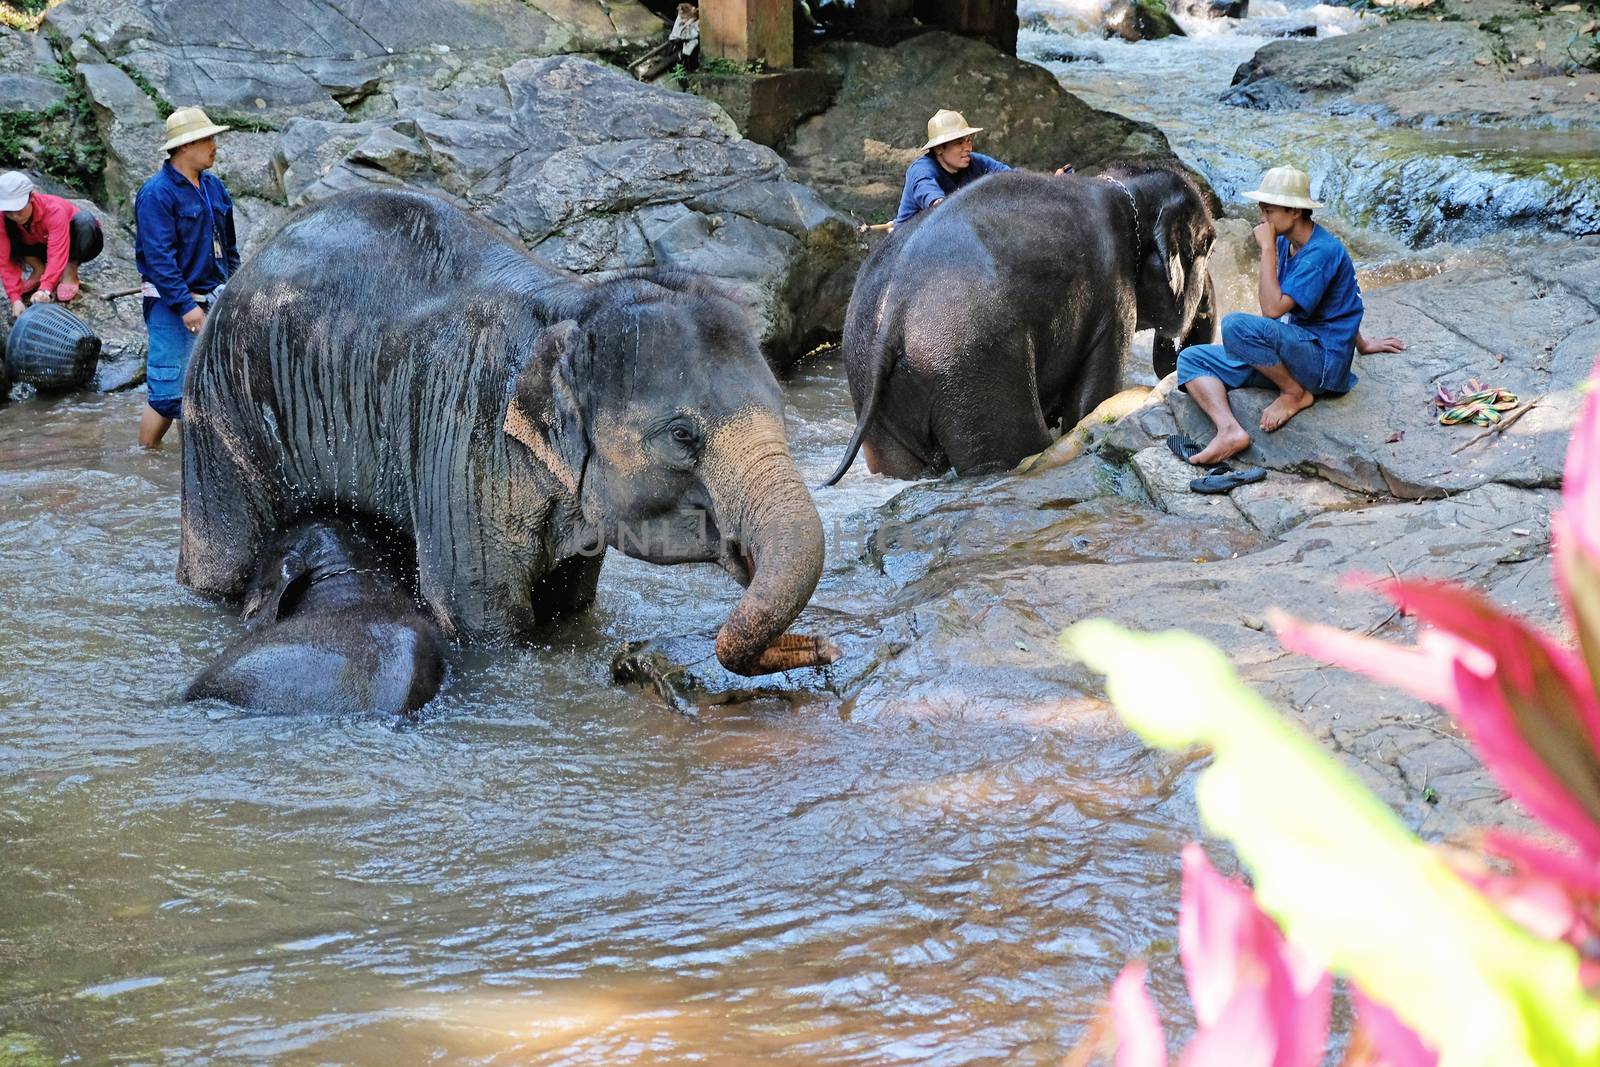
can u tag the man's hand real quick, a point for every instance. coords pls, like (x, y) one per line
(1381, 344)
(42, 297)
(17, 308)
(194, 318)
(1264, 235)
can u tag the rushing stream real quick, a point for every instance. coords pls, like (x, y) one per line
(1420, 185)
(546, 868)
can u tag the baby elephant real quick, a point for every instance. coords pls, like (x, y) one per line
(331, 630)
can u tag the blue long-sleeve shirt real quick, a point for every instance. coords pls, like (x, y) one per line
(179, 230)
(926, 181)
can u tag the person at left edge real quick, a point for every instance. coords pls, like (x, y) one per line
(186, 250)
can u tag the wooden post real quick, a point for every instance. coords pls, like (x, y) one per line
(743, 31)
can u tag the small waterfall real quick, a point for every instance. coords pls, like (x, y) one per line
(1421, 184)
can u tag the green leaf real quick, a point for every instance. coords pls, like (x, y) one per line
(1340, 873)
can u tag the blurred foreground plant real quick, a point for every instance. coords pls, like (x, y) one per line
(1454, 967)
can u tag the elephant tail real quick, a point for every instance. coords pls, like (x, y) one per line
(883, 360)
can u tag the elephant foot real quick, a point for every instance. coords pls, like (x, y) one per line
(794, 651)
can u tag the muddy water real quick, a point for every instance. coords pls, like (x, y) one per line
(546, 868)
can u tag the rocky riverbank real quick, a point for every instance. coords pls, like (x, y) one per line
(948, 599)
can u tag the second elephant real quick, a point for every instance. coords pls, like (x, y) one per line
(331, 630)
(1009, 309)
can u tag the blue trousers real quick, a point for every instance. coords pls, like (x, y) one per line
(170, 345)
(1251, 341)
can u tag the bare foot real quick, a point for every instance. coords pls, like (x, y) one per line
(1286, 407)
(1226, 443)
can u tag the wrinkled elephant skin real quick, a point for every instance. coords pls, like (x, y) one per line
(332, 631)
(387, 355)
(1008, 310)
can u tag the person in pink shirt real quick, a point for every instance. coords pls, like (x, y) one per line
(48, 237)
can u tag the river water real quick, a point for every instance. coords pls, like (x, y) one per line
(545, 868)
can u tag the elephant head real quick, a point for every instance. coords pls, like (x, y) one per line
(290, 566)
(1173, 285)
(654, 411)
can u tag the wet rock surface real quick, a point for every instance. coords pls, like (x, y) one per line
(856, 153)
(1528, 321)
(948, 598)
(1496, 117)
(594, 171)
(291, 58)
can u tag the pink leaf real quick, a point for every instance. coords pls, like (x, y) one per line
(1527, 704)
(1579, 873)
(1390, 1042)
(1140, 1042)
(1259, 1002)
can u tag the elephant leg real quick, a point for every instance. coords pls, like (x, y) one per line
(225, 517)
(989, 418)
(887, 454)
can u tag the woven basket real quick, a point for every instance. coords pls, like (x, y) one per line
(52, 349)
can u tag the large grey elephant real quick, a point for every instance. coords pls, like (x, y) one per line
(387, 355)
(1009, 308)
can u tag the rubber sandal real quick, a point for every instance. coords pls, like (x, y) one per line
(1185, 449)
(1221, 483)
(66, 291)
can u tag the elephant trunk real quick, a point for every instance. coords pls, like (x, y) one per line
(764, 506)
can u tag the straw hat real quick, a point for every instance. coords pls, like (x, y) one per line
(1286, 187)
(947, 126)
(15, 188)
(189, 124)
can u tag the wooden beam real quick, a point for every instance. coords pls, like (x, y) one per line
(744, 31)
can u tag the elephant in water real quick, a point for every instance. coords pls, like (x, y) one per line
(385, 354)
(1009, 308)
(332, 631)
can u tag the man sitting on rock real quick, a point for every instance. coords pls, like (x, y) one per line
(1308, 331)
(45, 235)
(947, 163)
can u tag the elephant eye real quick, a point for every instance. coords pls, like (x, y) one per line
(683, 434)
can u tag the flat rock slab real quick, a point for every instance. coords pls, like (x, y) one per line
(1284, 501)
(594, 171)
(976, 637)
(1166, 478)
(311, 57)
(1529, 324)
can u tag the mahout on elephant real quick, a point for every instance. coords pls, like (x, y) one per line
(387, 354)
(332, 629)
(1009, 308)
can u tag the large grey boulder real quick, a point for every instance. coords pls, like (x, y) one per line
(44, 125)
(284, 58)
(1528, 321)
(597, 172)
(856, 153)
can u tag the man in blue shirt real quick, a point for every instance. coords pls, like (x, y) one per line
(185, 250)
(1307, 334)
(947, 163)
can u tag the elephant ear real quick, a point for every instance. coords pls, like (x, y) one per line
(1166, 257)
(543, 411)
(274, 593)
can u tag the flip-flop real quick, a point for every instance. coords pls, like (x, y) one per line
(1185, 449)
(1221, 483)
(66, 291)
